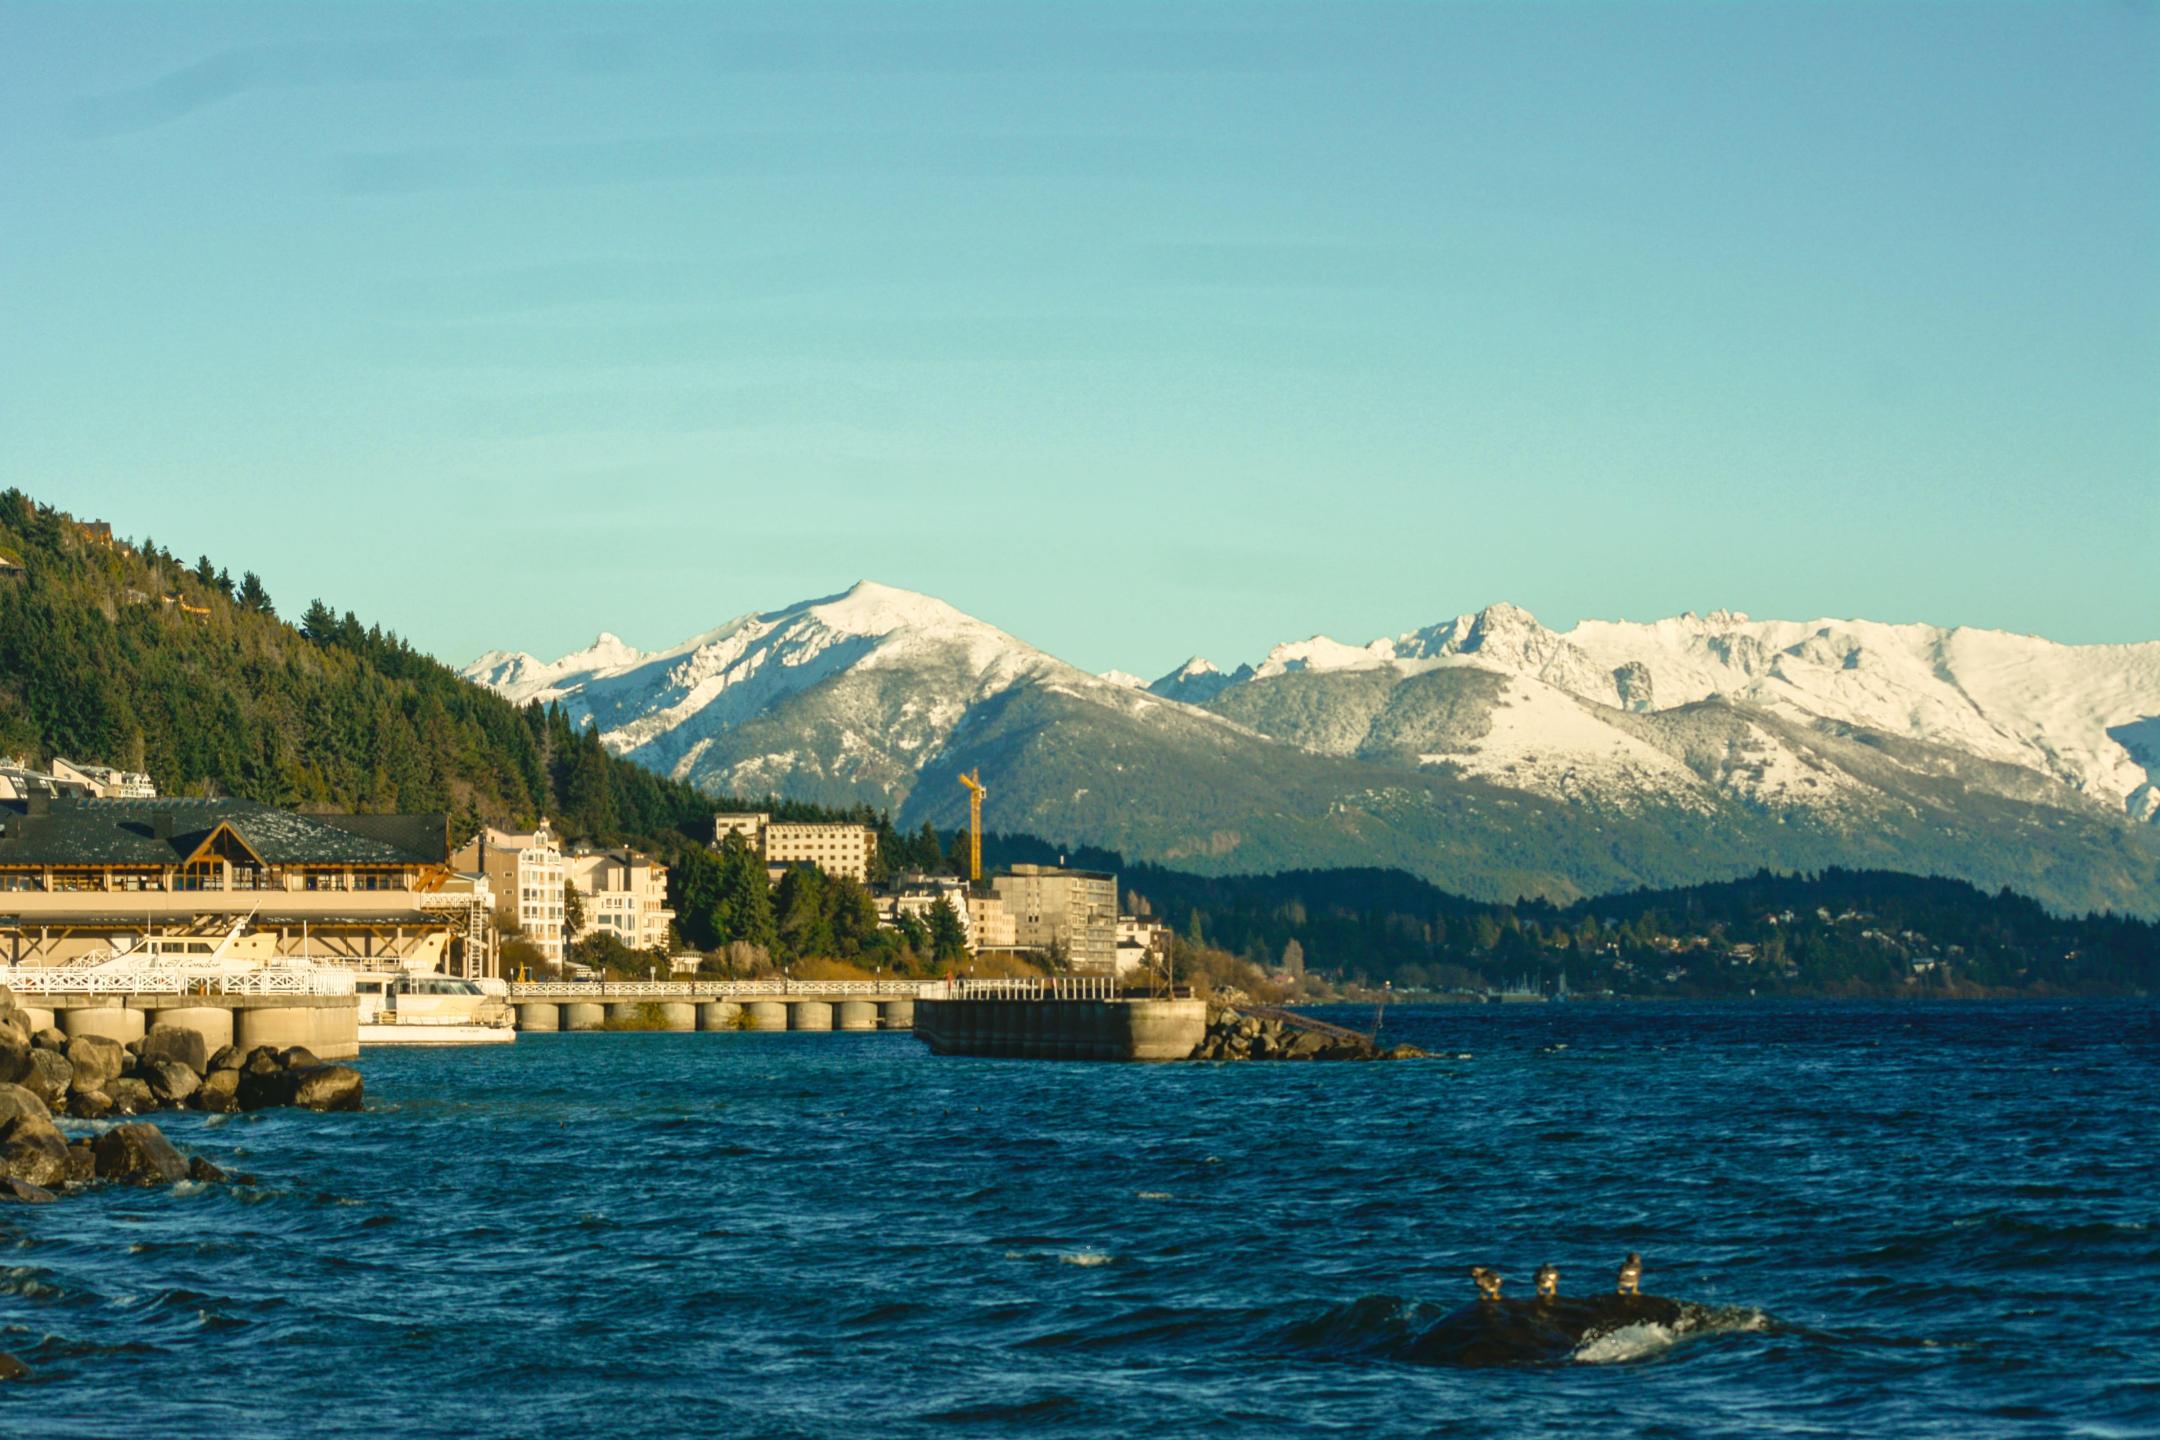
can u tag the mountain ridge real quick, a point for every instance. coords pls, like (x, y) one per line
(1800, 742)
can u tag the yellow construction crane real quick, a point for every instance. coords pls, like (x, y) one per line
(973, 780)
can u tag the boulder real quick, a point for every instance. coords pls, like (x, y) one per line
(23, 1192)
(176, 1043)
(170, 1080)
(298, 1057)
(219, 1091)
(47, 1076)
(202, 1170)
(14, 1061)
(329, 1087)
(15, 1029)
(228, 1057)
(82, 1161)
(130, 1096)
(138, 1155)
(12, 1368)
(1305, 1045)
(262, 1060)
(89, 1105)
(38, 1155)
(95, 1060)
(265, 1090)
(17, 1104)
(49, 1038)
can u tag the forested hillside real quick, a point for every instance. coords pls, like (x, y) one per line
(120, 652)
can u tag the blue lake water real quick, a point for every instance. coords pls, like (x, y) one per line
(1894, 1220)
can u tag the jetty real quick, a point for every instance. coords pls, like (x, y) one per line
(702, 1005)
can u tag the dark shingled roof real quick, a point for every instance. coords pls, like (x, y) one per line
(166, 830)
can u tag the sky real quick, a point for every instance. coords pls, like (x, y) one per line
(1137, 330)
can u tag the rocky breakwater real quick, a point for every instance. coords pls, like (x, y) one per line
(45, 1076)
(1234, 1034)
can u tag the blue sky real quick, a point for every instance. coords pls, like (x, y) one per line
(1137, 330)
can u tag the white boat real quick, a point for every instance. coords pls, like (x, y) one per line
(408, 1007)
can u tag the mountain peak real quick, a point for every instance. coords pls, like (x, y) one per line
(870, 608)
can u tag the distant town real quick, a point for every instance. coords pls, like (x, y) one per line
(91, 855)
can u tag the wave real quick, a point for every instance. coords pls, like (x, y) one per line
(1589, 1330)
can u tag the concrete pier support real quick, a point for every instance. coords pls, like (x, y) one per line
(110, 1019)
(678, 1015)
(282, 1026)
(896, 1014)
(855, 1015)
(767, 1015)
(581, 1015)
(40, 1017)
(809, 1015)
(539, 1015)
(213, 1022)
(719, 1015)
(1063, 1029)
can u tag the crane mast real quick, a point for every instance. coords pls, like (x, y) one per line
(973, 780)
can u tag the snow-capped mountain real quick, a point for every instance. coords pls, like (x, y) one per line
(1487, 752)
(2081, 715)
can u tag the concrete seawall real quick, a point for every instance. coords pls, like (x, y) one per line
(1063, 1029)
(326, 1024)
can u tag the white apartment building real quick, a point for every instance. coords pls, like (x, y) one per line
(624, 893)
(526, 872)
(1139, 944)
(1076, 909)
(836, 849)
(105, 781)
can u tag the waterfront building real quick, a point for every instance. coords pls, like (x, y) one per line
(1075, 910)
(625, 895)
(81, 876)
(1140, 944)
(525, 871)
(836, 849)
(991, 925)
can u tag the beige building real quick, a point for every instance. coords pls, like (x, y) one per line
(836, 849)
(525, 872)
(625, 895)
(1140, 943)
(1074, 909)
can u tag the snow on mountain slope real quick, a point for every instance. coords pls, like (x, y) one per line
(845, 694)
(2069, 713)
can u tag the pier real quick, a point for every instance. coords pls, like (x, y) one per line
(1059, 1018)
(704, 1005)
(274, 1006)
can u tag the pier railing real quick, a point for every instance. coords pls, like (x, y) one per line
(268, 980)
(723, 989)
(1040, 987)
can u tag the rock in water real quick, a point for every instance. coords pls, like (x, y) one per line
(228, 1057)
(177, 1043)
(47, 1076)
(50, 1038)
(130, 1096)
(219, 1091)
(23, 1192)
(36, 1152)
(11, 1368)
(89, 1105)
(1536, 1332)
(329, 1087)
(138, 1155)
(17, 1103)
(96, 1060)
(298, 1057)
(205, 1172)
(169, 1080)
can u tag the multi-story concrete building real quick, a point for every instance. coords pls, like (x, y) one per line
(85, 876)
(19, 780)
(525, 873)
(105, 781)
(991, 925)
(1073, 909)
(624, 893)
(836, 849)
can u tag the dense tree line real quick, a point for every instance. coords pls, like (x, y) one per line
(1836, 932)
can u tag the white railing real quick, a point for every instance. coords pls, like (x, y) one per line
(269, 980)
(1041, 987)
(720, 989)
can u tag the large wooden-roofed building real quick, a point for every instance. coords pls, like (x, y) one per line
(80, 875)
